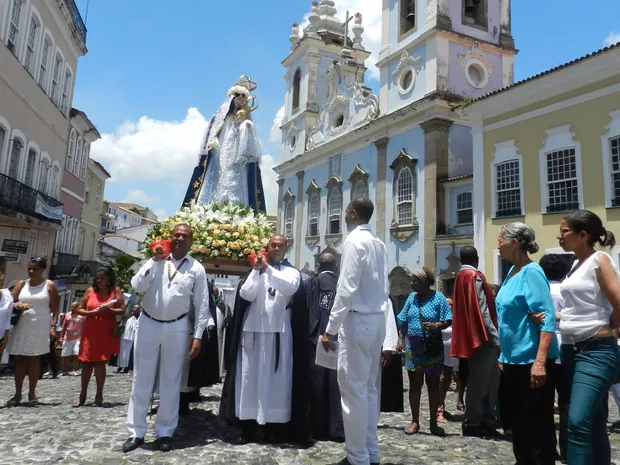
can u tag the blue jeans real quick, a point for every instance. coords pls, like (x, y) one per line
(593, 366)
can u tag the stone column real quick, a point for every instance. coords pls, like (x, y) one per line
(435, 168)
(505, 30)
(380, 198)
(279, 210)
(299, 211)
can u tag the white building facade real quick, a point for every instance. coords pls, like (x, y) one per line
(406, 149)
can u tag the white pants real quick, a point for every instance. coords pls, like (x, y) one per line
(615, 390)
(70, 348)
(163, 345)
(123, 357)
(359, 370)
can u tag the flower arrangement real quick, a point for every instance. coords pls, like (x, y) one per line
(220, 231)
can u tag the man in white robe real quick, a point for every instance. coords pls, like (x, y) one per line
(362, 317)
(127, 340)
(263, 367)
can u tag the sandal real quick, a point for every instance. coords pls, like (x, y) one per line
(437, 431)
(411, 429)
(460, 406)
(441, 419)
(98, 401)
(32, 401)
(13, 402)
(79, 402)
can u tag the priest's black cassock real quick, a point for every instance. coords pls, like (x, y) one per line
(326, 407)
(299, 426)
(204, 370)
(392, 375)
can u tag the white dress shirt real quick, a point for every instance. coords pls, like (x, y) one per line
(270, 293)
(167, 299)
(363, 283)
(6, 310)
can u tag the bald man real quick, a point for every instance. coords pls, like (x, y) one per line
(267, 376)
(325, 394)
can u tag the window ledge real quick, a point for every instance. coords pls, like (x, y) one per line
(312, 241)
(464, 224)
(333, 239)
(404, 233)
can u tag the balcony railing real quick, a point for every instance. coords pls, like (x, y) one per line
(65, 266)
(77, 19)
(21, 198)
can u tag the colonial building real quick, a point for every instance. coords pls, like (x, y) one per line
(405, 148)
(544, 147)
(41, 44)
(130, 215)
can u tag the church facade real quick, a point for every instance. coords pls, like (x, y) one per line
(405, 148)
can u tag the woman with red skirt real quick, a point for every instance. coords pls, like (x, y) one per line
(100, 305)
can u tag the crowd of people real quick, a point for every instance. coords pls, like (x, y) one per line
(550, 327)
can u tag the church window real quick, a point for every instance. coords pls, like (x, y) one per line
(475, 13)
(359, 183)
(296, 89)
(288, 219)
(464, 210)
(407, 16)
(359, 190)
(404, 203)
(508, 193)
(335, 210)
(610, 143)
(313, 215)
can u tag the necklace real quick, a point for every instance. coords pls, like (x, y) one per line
(171, 275)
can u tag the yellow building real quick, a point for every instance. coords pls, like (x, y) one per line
(546, 146)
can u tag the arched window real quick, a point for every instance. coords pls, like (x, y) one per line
(45, 60)
(288, 219)
(14, 158)
(15, 24)
(44, 169)
(85, 155)
(313, 215)
(78, 157)
(334, 206)
(404, 203)
(56, 78)
(359, 190)
(71, 150)
(53, 184)
(32, 45)
(464, 210)
(296, 89)
(66, 88)
(3, 133)
(31, 164)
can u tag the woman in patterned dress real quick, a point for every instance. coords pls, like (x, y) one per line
(424, 315)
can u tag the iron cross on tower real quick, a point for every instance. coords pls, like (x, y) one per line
(346, 52)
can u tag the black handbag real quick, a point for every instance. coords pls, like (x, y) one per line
(15, 317)
(433, 343)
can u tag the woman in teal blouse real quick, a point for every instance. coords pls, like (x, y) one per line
(526, 323)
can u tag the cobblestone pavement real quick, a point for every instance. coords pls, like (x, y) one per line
(53, 432)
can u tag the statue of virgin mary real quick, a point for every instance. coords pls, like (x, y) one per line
(228, 165)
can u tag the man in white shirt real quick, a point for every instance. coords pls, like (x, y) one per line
(171, 287)
(362, 316)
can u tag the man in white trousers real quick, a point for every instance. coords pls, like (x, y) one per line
(362, 316)
(172, 288)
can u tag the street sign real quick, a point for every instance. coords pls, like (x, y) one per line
(10, 245)
(11, 257)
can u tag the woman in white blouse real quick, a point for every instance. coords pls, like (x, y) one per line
(591, 294)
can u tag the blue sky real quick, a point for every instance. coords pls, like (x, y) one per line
(154, 75)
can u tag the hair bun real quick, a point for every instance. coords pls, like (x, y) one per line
(533, 247)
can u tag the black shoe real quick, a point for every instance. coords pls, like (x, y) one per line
(474, 432)
(119, 369)
(165, 444)
(125, 370)
(184, 409)
(132, 444)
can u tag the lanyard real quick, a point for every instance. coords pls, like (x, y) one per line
(171, 275)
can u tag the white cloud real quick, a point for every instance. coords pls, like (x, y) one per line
(371, 11)
(270, 183)
(275, 137)
(161, 213)
(612, 38)
(152, 150)
(140, 197)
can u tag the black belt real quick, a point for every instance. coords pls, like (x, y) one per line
(164, 321)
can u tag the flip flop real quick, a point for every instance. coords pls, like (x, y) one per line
(410, 430)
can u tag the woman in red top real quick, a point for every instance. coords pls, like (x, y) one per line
(99, 340)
